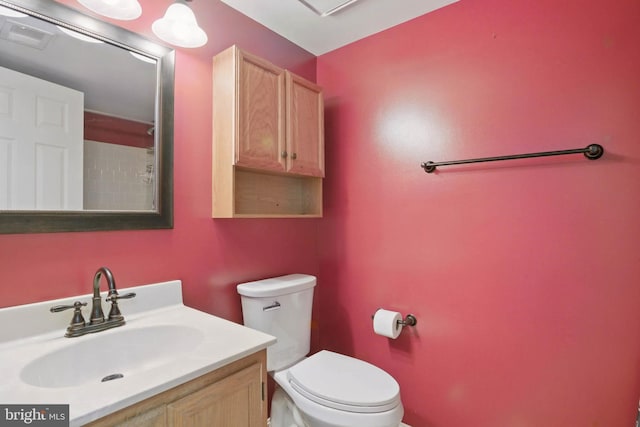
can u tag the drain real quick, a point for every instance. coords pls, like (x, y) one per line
(112, 377)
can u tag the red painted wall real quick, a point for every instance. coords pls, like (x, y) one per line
(114, 130)
(524, 275)
(210, 256)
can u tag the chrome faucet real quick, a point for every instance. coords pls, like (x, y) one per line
(97, 322)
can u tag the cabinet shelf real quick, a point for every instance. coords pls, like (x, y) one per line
(269, 195)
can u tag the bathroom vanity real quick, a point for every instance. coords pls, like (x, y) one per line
(168, 365)
(229, 396)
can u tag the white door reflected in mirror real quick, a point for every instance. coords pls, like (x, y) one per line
(41, 146)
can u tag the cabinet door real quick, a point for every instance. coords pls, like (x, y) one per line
(152, 418)
(261, 138)
(235, 401)
(305, 126)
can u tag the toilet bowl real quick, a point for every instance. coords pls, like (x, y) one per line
(326, 389)
(333, 390)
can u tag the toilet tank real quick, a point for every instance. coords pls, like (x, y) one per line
(280, 306)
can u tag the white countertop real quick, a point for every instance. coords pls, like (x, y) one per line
(30, 331)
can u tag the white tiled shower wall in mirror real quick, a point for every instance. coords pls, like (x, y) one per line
(118, 177)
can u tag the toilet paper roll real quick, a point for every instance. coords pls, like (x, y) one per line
(386, 323)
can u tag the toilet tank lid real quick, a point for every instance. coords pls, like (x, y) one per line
(277, 286)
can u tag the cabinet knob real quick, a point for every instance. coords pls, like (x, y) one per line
(294, 156)
(284, 154)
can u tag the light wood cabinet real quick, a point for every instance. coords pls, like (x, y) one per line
(268, 140)
(305, 126)
(232, 396)
(260, 96)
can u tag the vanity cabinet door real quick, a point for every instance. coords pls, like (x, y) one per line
(235, 401)
(305, 126)
(261, 138)
(153, 418)
(230, 396)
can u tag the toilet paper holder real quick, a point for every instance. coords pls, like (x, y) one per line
(409, 320)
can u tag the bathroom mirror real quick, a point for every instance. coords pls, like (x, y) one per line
(86, 123)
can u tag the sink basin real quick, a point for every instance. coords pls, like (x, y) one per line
(119, 353)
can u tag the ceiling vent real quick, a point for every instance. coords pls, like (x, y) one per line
(25, 34)
(324, 8)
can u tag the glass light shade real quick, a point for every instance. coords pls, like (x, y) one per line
(125, 10)
(179, 27)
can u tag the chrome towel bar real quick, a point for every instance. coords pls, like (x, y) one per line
(591, 152)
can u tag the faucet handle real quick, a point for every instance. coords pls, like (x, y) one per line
(77, 322)
(116, 296)
(76, 305)
(114, 313)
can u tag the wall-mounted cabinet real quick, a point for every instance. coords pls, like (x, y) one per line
(268, 140)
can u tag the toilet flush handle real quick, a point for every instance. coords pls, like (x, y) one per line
(274, 306)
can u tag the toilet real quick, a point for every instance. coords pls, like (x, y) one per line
(326, 389)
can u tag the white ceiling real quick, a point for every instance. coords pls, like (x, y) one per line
(302, 21)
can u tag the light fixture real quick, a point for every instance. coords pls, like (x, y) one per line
(125, 10)
(178, 27)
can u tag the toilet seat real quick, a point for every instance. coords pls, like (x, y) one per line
(344, 383)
